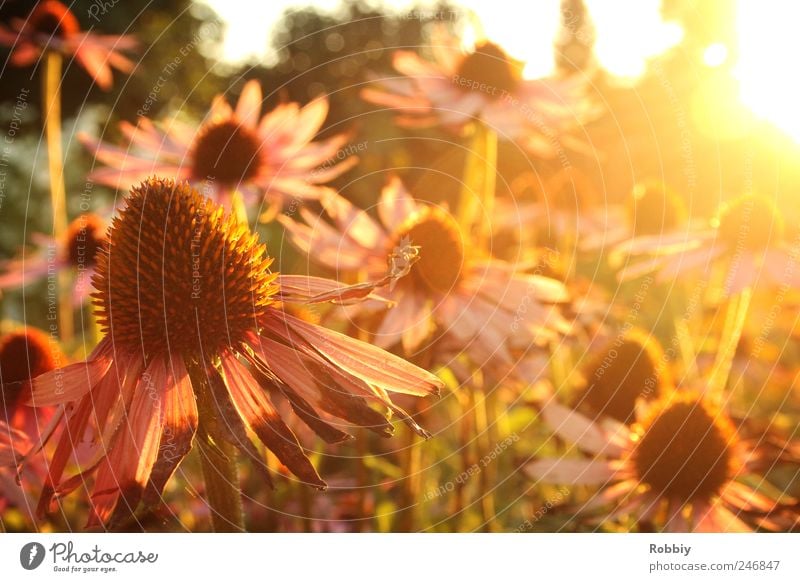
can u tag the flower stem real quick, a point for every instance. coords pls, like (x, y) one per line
(478, 190)
(735, 318)
(51, 110)
(218, 459)
(483, 444)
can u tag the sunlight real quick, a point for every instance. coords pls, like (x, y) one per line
(527, 32)
(624, 49)
(767, 44)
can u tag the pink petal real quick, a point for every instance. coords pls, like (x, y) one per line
(570, 471)
(68, 383)
(130, 461)
(178, 430)
(395, 204)
(579, 430)
(261, 417)
(352, 221)
(364, 361)
(248, 109)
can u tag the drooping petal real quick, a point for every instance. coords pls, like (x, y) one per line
(261, 417)
(178, 429)
(319, 384)
(70, 382)
(126, 470)
(369, 363)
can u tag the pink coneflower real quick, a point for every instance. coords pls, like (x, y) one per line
(484, 83)
(747, 234)
(76, 251)
(629, 368)
(652, 209)
(483, 303)
(271, 157)
(194, 337)
(52, 27)
(24, 355)
(682, 465)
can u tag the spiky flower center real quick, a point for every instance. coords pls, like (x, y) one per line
(751, 223)
(441, 256)
(686, 451)
(86, 235)
(490, 70)
(228, 152)
(25, 355)
(627, 370)
(53, 19)
(655, 209)
(179, 274)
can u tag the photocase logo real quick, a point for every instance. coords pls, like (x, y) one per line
(31, 555)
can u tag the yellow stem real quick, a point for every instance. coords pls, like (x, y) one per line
(483, 440)
(480, 178)
(51, 110)
(734, 326)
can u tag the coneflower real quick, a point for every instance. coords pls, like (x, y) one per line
(482, 82)
(75, 251)
(51, 26)
(196, 343)
(24, 354)
(682, 466)
(268, 159)
(477, 304)
(630, 368)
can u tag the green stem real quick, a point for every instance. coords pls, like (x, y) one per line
(483, 442)
(51, 110)
(480, 179)
(218, 459)
(732, 332)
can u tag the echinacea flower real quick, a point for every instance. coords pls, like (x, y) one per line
(747, 236)
(480, 302)
(24, 354)
(681, 465)
(185, 287)
(652, 209)
(273, 157)
(77, 251)
(630, 368)
(51, 26)
(485, 83)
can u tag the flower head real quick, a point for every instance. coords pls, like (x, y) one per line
(195, 324)
(629, 369)
(24, 354)
(51, 26)
(76, 251)
(682, 466)
(746, 233)
(271, 158)
(484, 83)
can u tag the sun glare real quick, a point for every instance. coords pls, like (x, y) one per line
(622, 48)
(768, 42)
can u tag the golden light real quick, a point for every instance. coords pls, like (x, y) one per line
(767, 46)
(715, 55)
(630, 33)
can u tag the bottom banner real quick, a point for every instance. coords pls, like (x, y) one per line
(390, 557)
